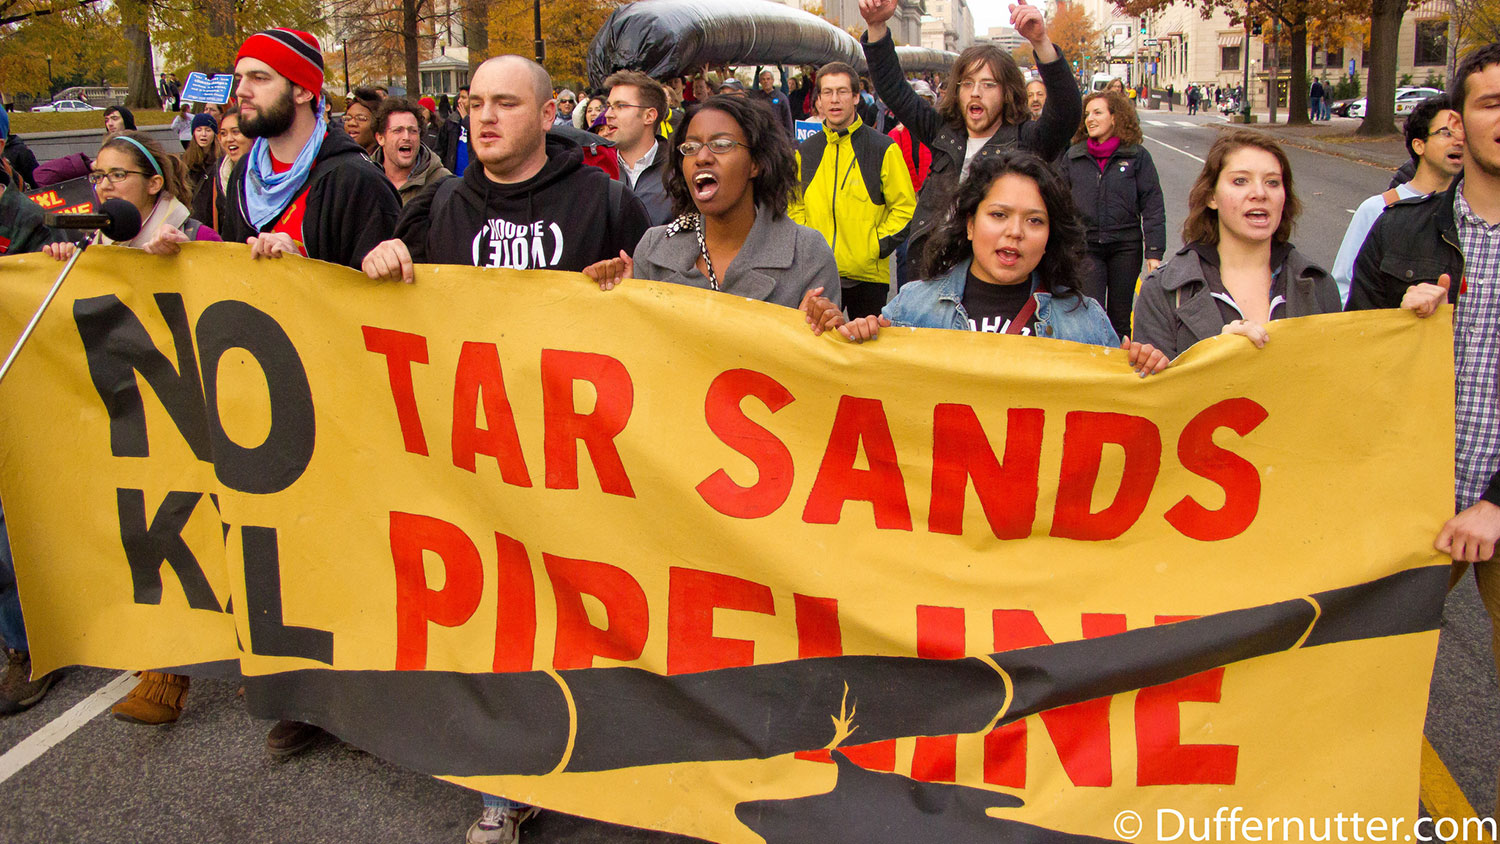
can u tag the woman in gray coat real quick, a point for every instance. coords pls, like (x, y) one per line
(1239, 270)
(730, 174)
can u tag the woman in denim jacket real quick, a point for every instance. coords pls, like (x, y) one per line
(1005, 261)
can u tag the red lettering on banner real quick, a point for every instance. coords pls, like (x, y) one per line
(578, 641)
(1199, 454)
(961, 451)
(692, 597)
(772, 459)
(1079, 732)
(1084, 438)
(940, 635)
(401, 350)
(515, 613)
(416, 604)
(597, 429)
(859, 421)
(479, 378)
(1161, 757)
(818, 632)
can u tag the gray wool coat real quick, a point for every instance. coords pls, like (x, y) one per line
(1176, 309)
(779, 262)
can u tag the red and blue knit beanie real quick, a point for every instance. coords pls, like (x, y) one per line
(295, 55)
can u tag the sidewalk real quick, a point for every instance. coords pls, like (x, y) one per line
(1334, 137)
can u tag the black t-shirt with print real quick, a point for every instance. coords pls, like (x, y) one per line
(991, 307)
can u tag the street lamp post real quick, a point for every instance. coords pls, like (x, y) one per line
(536, 19)
(50, 86)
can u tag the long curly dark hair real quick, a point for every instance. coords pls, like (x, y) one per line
(768, 145)
(1061, 268)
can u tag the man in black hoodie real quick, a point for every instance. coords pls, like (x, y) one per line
(529, 204)
(302, 188)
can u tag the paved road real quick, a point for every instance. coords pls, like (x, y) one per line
(207, 778)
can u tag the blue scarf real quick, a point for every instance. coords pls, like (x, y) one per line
(268, 193)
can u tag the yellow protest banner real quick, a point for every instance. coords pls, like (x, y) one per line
(662, 557)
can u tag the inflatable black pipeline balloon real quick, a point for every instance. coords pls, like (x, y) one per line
(664, 38)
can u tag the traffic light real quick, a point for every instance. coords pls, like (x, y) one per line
(1143, 24)
(1255, 27)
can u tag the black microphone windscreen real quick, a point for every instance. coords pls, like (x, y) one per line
(124, 220)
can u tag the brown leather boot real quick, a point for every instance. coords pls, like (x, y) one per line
(156, 699)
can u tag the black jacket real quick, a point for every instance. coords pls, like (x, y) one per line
(351, 206)
(1047, 136)
(1415, 240)
(776, 101)
(1123, 202)
(564, 218)
(22, 159)
(454, 128)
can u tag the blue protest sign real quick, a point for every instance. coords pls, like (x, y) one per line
(201, 88)
(807, 128)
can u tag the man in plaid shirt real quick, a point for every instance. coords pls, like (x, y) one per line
(1415, 250)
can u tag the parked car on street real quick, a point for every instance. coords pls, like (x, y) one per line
(67, 105)
(1406, 100)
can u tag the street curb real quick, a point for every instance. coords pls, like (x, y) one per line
(1335, 150)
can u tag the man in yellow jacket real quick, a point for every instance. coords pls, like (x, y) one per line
(856, 191)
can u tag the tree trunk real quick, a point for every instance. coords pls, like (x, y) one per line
(140, 74)
(409, 46)
(1380, 85)
(477, 31)
(1296, 101)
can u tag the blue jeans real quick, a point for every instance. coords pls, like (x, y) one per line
(491, 801)
(12, 628)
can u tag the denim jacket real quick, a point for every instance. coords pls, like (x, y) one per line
(939, 304)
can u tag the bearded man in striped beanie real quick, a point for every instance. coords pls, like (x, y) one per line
(302, 188)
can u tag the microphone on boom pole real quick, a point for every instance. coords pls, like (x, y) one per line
(118, 220)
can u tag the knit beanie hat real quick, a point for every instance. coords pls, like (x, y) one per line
(428, 103)
(295, 55)
(205, 119)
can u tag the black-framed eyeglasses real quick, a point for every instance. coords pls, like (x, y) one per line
(717, 146)
(115, 176)
(567, 102)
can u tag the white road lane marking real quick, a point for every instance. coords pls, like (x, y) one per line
(64, 725)
(1187, 123)
(1175, 149)
(1155, 123)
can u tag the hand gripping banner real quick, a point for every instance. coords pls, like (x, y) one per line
(661, 557)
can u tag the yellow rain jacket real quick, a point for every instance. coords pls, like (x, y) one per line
(856, 192)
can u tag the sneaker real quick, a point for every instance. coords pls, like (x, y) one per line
(499, 825)
(18, 691)
(289, 737)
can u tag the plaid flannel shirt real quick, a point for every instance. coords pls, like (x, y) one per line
(1476, 356)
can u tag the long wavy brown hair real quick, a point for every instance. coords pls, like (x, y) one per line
(1127, 123)
(1012, 85)
(1202, 223)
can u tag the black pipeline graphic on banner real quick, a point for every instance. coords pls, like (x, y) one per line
(519, 723)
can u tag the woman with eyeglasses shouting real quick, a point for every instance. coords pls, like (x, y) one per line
(730, 175)
(133, 167)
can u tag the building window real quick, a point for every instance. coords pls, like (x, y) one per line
(1431, 43)
(1283, 57)
(1229, 58)
(1335, 58)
